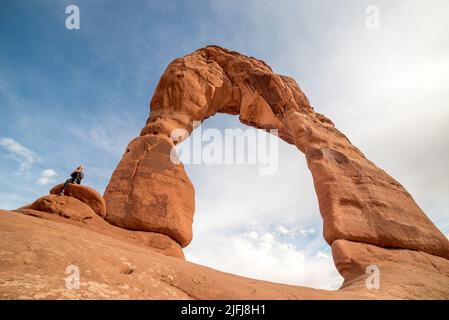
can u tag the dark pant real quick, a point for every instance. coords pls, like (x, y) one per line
(71, 180)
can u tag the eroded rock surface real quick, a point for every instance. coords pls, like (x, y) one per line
(66, 207)
(85, 194)
(369, 218)
(148, 192)
(358, 201)
(77, 207)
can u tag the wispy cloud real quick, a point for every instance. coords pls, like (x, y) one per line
(47, 177)
(307, 232)
(282, 230)
(294, 231)
(321, 254)
(24, 156)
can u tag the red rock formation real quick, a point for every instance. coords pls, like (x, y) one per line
(358, 201)
(85, 207)
(159, 196)
(66, 207)
(85, 194)
(369, 218)
(69, 210)
(415, 274)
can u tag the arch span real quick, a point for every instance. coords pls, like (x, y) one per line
(358, 201)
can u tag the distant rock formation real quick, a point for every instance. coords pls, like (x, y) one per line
(370, 220)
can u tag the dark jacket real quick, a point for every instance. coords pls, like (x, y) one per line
(77, 176)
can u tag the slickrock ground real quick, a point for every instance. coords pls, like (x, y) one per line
(35, 252)
(369, 218)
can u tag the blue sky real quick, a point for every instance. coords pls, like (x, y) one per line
(78, 96)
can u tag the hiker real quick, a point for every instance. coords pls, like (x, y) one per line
(76, 177)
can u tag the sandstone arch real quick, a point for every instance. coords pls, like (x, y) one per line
(361, 205)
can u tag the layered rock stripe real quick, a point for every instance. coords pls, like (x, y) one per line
(358, 201)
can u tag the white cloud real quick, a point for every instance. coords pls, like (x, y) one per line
(282, 230)
(21, 154)
(46, 177)
(307, 232)
(234, 195)
(252, 235)
(295, 231)
(266, 257)
(109, 132)
(321, 254)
